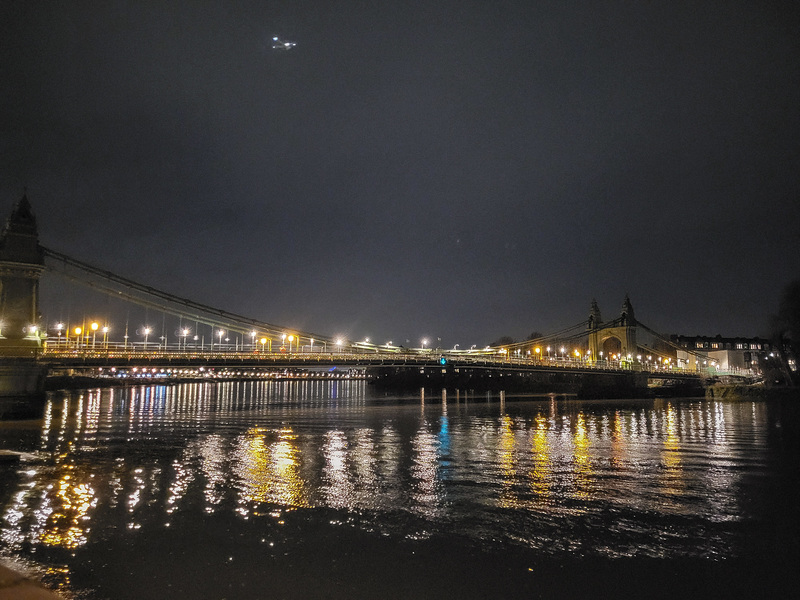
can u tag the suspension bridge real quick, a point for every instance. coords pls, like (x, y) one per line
(619, 356)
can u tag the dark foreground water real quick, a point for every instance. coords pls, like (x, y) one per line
(325, 490)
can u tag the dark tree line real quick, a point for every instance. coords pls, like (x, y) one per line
(785, 326)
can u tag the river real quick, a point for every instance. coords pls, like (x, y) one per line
(330, 489)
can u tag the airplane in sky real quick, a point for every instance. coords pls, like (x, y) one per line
(279, 44)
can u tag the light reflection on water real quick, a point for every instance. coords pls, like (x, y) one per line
(642, 478)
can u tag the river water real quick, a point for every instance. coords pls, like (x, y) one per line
(329, 489)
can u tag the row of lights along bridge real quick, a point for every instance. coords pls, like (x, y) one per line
(86, 338)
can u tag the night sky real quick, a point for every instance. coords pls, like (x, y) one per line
(462, 170)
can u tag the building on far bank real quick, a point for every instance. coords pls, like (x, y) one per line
(726, 354)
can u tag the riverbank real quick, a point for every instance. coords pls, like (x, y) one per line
(721, 391)
(16, 586)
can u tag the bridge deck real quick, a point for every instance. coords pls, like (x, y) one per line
(73, 359)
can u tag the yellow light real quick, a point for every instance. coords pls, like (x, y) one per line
(263, 341)
(78, 330)
(538, 350)
(94, 326)
(291, 338)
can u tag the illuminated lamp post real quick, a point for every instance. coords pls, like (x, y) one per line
(185, 333)
(105, 337)
(263, 343)
(538, 350)
(59, 327)
(94, 327)
(220, 333)
(146, 333)
(78, 331)
(253, 340)
(291, 339)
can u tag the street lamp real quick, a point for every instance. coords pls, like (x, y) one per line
(220, 333)
(339, 344)
(291, 339)
(423, 344)
(538, 350)
(78, 331)
(105, 337)
(263, 343)
(94, 327)
(146, 333)
(185, 332)
(253, 339)
(59, 327)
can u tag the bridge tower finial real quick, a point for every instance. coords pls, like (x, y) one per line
(628, 318)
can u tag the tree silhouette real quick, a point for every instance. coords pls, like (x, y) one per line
(786, 324)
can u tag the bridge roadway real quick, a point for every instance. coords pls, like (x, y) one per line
(88, 362)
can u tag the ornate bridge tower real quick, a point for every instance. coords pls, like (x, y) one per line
(21, 264)
(621, 332)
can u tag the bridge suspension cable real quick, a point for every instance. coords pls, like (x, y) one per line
(565, 335)
(150, 297)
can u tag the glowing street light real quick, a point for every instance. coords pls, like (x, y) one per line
(78, 331)
(291, 339)
(105, 336)
(423, 344)
(146, 333)
(263, 343)
(94, 327)
(253, 339)
(220, 333)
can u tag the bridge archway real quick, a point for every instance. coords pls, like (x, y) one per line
(608, 345)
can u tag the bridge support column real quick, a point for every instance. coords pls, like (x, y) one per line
(21, 264)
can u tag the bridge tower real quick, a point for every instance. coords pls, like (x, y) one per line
(622, 330)
(21, 264)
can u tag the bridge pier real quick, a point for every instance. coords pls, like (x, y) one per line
(21, 264)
